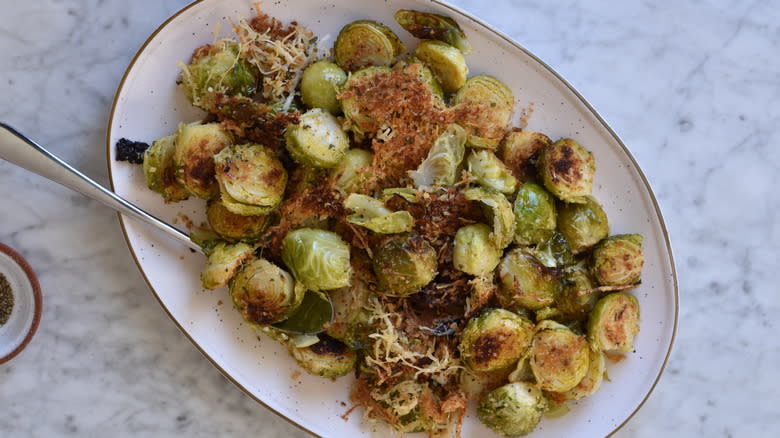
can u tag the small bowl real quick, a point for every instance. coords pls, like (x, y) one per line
(20, 327)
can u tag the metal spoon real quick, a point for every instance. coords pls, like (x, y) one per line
(25, 153)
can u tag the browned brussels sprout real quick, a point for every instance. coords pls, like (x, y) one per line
(264, 293)
(519, 150)
(525, 283)
(488, 171)
(583, 225)
(489, 102)
(429, 26)
(366, 43)
(577, 295)
(234, 227)
(223, 262)
(328, 358)
(494, 340)
(360, 121)
(251, 179)
(404, 265)
(193, 157)
(567, 169)
(558, 357)
(159, 170)
(446, 62)
(618, 260)
(513, 409)
(614, 323)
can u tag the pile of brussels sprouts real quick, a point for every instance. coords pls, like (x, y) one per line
(552, 280)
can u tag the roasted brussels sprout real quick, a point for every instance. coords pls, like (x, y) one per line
(351, 317)
(159, 170)
(490, 172)
(251, 179)
(328, 358)
(519, 151)
(489, 103)
(234, 227)
(317, 258)
(223, 261)
(413, 403)
(567, 169)
(425, 73)
(525, 283)
(366, 43)
(597, 366)
(554, 252)
(371, 213)
(193, 157)
(535, 215)
(583, 225)
(577, 295)
(352, 172)
(446, 62)
(441, 165)
(494, 340)
(474, 251)
(429, 26)
(403, 265)
(513, 409)
(498, 209)
(320, 83)
(558, 357)
(318, 140)
(618, 260)
(216, 69)
(264, 293)
(614, 323)
(360, 122)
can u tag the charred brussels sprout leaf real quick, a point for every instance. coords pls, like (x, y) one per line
(429, 26)
(404, 265)
(525, 283)
(216, 69)
(320, 84)
(491, 102)
(251, 179)
(193, 157)
(495, 340)
(614, 323)
(583, 225)
(446, 62)
(513, 409)
(618, 260)
(234, 227)
(490, 172)
(317, 258)
(366, 43)
(474, 251)
(223, 261)
(328, 358)
(558, 357)
(159, 170)
(318, 140)
(444, 158)
(371, 213)
(535, 215)
(567, 169)
(264, 293)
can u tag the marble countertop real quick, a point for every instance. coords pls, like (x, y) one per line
(691, 88)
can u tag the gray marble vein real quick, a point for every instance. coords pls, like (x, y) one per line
(691, 87)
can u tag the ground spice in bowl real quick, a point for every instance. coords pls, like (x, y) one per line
(6, 300)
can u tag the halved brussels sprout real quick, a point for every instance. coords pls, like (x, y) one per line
(614, 323)
(535, 215)
(525, 283)
(494, 340)
(554, 252)
(159, 170)
(489, 103)
(320, 83)
(474, 251)
(490, 172)
(264, 293)
(429, 26)
(371, 213)
(583, 225)
(577, 295)
(498, 209)
(317, 258)
(360, 121)
(251, 179)
(193, 157)
(618, 260)
(366, 43)
(412, 403)
(318, 140)
(234, 227)
(567, 169)
(426, 73)
(513, 409)
(328, 358)
(216, 69)
(446, 62)
(519, 150)
(597, 367)
(223, 261)
(352, 172)
(558, 357)
(444, 158)
(351, 317)
(404, 265)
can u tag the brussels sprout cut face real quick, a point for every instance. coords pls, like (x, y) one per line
(567, 170)
(558, 357)
(223, 262)
(492, 102)
(513, 410)
(317, 258)
(446, 63)
(193, 157)
(495, 340)
(264, 293)
(428, 26)
(474, 252)
(160, 172)
(618, 260)
(366, 43)
(614, 323)
(250, 175)
(525, 283)
(328, 358)
(233, 227)
(318, 140)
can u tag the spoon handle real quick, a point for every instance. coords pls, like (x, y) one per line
(23, 152)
